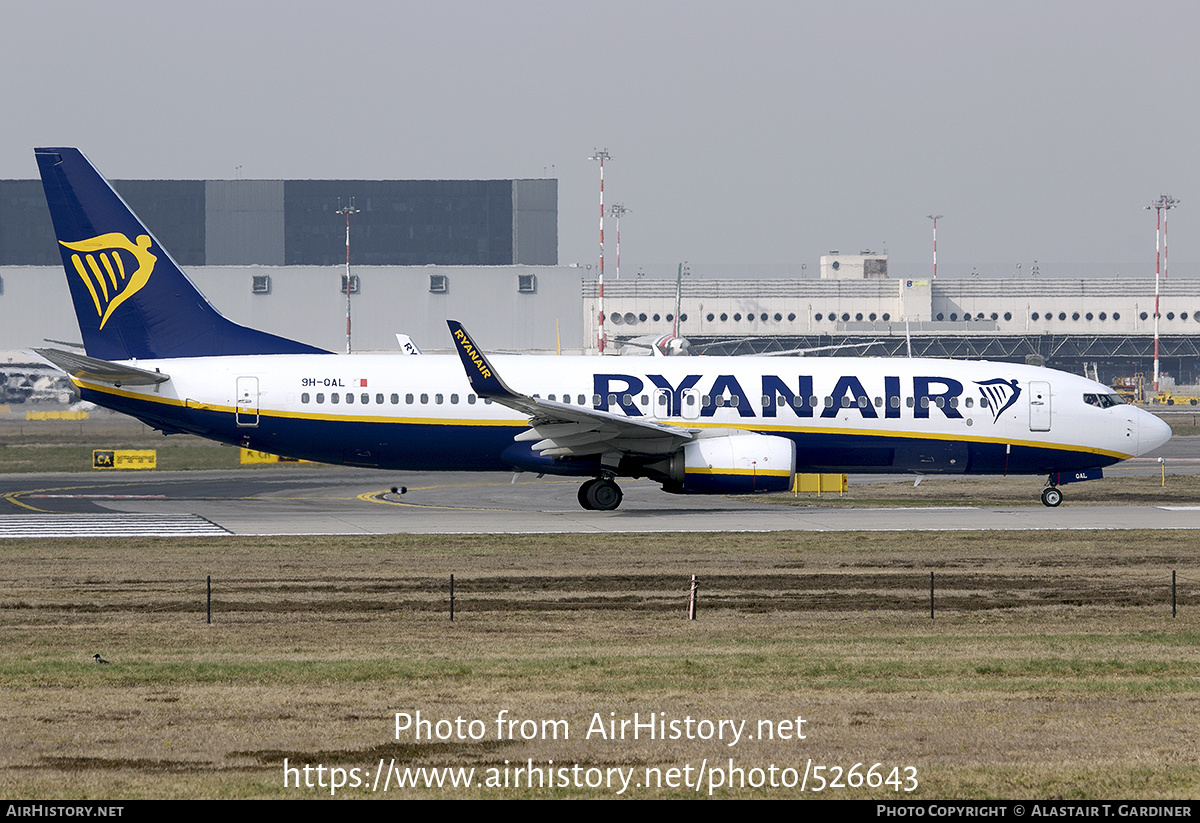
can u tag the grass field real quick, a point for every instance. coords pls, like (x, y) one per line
(1052, 668)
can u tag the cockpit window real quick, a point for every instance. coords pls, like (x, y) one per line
(1102, 401)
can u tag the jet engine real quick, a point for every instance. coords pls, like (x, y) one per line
(741, 463)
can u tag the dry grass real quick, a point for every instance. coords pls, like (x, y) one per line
(1052, 669)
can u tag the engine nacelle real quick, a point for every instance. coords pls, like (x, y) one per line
(741, 463)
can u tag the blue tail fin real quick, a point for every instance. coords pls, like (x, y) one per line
(131, 299)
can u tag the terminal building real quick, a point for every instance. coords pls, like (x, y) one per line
(1102, 327)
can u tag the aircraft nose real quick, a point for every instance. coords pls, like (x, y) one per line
(1152, 432)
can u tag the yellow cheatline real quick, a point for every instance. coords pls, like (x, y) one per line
(742, 472)
(685, 424)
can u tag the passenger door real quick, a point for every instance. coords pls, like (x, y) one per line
(1039, 407)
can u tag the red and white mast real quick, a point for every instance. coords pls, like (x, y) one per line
(935, 218)
(1164, 203)
(616, 211)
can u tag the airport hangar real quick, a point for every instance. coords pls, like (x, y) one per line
(271, 254)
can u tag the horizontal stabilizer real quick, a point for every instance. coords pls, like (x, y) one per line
(83, 367)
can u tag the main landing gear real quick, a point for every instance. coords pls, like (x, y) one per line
(1051, 496)
(600, 494)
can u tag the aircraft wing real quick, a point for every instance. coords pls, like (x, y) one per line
(560, 429)
(102, 371)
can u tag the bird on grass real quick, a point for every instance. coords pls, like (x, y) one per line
(99, 659)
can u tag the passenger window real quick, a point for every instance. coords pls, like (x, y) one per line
(408, 398)
(970, 402)
(909, 402)
(424, 399)
(379, 399)
(470, 400)
(334, 397)
(320, 397)
(366, 398)
(582, 401)
(437, 398)
(894, 402)
(304, 397)
(349, 397)
(454, 399)
(395, 399)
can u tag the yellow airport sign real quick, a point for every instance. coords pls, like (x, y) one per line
(56, 415)
(820, 483)
(251, 457)
(124, 458)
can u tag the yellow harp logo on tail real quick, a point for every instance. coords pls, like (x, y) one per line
(104, 267)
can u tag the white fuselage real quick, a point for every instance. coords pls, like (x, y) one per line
(387, 406)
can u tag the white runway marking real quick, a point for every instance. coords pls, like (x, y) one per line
(107, 525)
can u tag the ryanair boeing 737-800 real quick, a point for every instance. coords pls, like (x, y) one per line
(157, 350)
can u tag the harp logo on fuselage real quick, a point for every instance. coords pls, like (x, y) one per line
(113, 268)
(1000, 393)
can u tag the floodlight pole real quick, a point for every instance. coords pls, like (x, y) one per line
(935, 218)
(601, 155)
(347, 210)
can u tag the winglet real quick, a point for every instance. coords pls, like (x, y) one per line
(480, 373)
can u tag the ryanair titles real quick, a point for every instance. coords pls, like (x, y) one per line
(689, 398)
(471, 353)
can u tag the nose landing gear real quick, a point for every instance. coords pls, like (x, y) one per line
(1051, 496)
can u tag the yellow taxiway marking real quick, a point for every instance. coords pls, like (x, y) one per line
(378, 496)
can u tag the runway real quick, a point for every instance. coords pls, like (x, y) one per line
(323, 500)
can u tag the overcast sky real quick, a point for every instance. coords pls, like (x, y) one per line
(743, 136)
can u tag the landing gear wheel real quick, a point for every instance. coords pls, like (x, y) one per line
(601, 495)
(1051, 496)
(583, 494)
